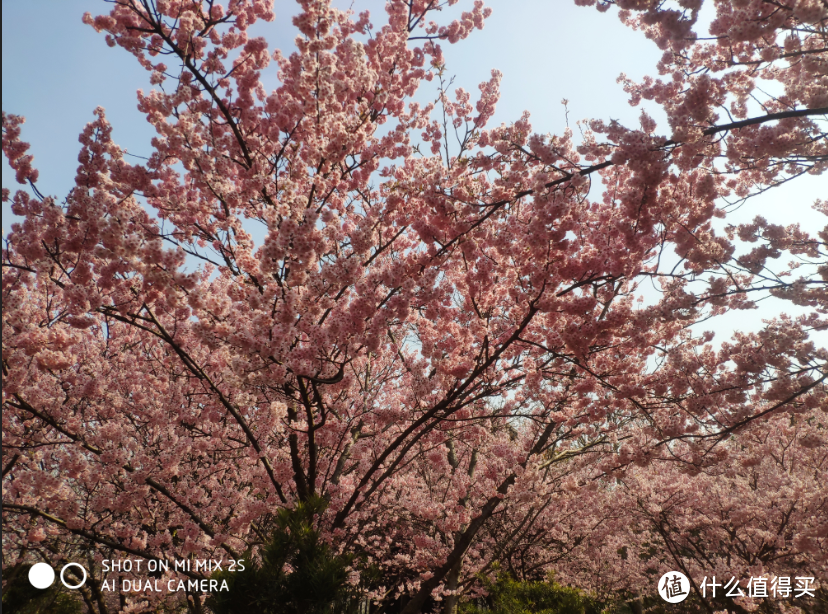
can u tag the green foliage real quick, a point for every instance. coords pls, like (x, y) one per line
(20, 597)
(510, 596)
(298, 573)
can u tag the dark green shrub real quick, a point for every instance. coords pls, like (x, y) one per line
(297, 574)
(20, 597)
(510, 596)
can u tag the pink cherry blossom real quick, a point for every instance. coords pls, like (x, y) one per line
(445, 338)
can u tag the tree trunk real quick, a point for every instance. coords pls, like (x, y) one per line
(452, 581)
(636, 604)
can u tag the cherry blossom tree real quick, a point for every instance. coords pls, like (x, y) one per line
(761, 514)
(434, 334)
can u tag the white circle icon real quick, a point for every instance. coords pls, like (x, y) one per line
(674, 587)
(41, 575)
(62, 571)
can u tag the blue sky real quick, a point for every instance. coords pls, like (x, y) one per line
(56, 70)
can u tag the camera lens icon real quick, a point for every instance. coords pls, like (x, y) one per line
(63, 571)
(41, 575)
